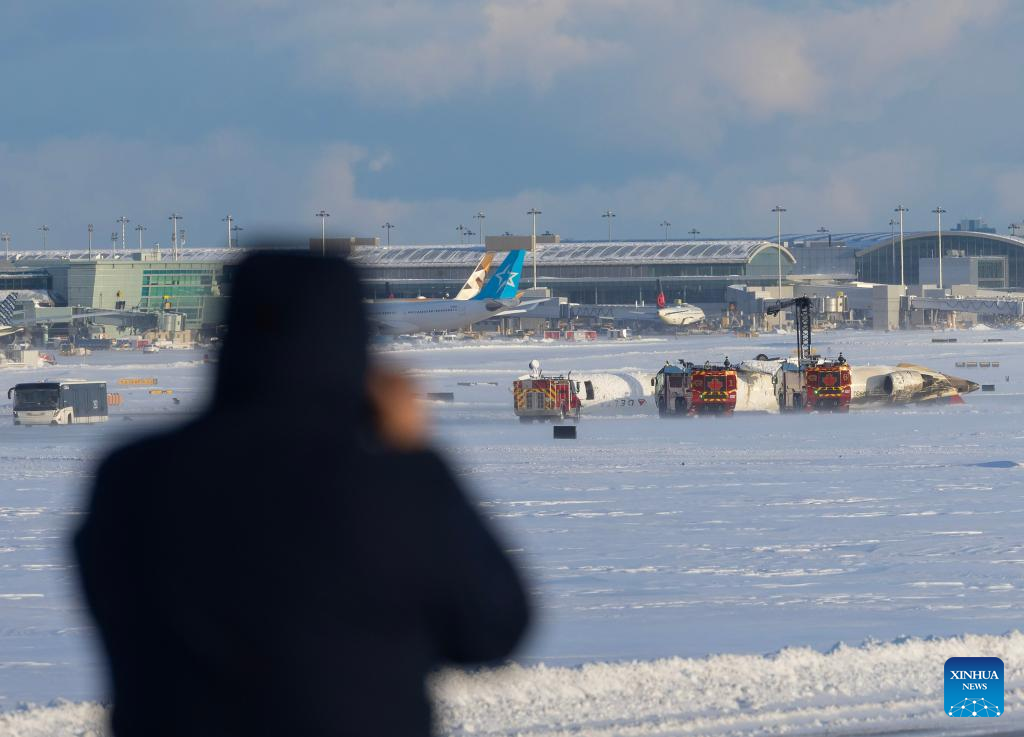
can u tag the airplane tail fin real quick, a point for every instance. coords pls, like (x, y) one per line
(476, 280)
(7, 309)
(661, 296)
(504, 283)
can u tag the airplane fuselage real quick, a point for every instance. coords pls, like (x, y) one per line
(395, 317)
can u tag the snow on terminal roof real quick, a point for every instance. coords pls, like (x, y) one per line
(725, 251)
(864, 242)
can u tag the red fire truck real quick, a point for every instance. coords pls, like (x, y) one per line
(828, 386)
(695, 390)
(546, 398)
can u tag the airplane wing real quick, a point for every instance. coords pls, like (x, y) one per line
(520, 308)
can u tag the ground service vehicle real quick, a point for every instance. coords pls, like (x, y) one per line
(546, 398)
(69, 402)
(695, 390)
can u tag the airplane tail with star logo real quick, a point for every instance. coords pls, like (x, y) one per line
(504, 283)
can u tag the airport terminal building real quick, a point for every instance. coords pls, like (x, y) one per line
(197, 283)
(587, 273)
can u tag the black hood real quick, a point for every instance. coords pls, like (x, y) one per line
(296, 337)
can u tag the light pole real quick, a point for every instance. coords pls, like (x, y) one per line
(666, 225)
(113, 240)
(90, 229)
(778, 210)
(45, 229)
(6, 238)
(901, 209)
(892, 241)
(823, 230)
(534, 212)
(236, 229)
(229, 220)
(608, 214)
(462, 234)
(938, 212)
(387, 226)
(1013, 228)
(469, 233)
(694, 233)
(138, 229)
(124, 224)
(480, 216)
(323, 215)
(174, 218)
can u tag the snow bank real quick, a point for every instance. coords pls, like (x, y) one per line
(849, 690)
(59, 718)
(876, 688)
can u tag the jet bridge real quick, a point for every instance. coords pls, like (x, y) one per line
(1003, 307)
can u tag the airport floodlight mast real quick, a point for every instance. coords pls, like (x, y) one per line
(694, 233)
(387, 226)
(113, 240)
(534, 212)
(901, 209)
(824, 230)
(174, 218)
(938, 212)
(45, 229)
(462, 233)
(469, 233)
(778, 210)
(139, 229)
(124, 237)
(90, 229)
(1013, 228)
(323, 215)
(608, 214)
(893, 222)
(236, 229)
(6, 238)
(666, 225)
(229, 220)
(480, 216)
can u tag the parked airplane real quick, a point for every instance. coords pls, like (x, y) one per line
(677, 315)
(496, 299)
(6, 313)
(475, 283)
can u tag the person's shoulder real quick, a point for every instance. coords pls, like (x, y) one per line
(146, 451)
(423, 470)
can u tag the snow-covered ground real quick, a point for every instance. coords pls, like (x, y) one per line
(650, 545)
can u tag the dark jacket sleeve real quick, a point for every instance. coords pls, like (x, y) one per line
(477, 603)
(108, 561)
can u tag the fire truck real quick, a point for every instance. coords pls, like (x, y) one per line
(828, 386)
(543, 398)
(687, 389)
(811, 383)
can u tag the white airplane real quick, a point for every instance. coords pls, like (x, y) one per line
(496, 299)
(677, 315)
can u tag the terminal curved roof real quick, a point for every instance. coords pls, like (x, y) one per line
(718, 251)
(215, 255)
(867, 242)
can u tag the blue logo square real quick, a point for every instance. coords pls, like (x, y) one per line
(974, 687)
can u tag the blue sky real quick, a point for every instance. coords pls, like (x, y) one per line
(423, 113)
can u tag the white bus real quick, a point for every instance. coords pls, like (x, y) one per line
(68, 402)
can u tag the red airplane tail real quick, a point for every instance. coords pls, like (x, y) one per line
(661, 296)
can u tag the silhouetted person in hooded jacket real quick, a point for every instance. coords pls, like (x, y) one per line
(295, 561)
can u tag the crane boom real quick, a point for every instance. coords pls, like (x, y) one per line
(803, 324)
